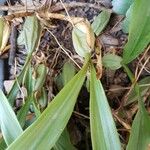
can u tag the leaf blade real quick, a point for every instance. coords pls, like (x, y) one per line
(51, 121)
(10, 126)
(103, 130)
(139, 35)
(112, 61)
(132, 97)
(121, 7)
(140, 132)
(64, 140)
(100, 22)
(34, 36)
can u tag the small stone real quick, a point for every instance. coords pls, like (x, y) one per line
(109, 40)
(8, 85)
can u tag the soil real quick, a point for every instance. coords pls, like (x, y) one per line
(115, 82)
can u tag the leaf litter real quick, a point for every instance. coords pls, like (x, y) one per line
(50, 54)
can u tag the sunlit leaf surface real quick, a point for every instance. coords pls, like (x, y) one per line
(112, 61)
(46, 130)
(139, 30)
(121, 6)
(9, 124)
(103, 131)
(100, 22)
(140, 132)
(31, 35)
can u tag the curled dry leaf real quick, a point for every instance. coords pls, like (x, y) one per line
(4, 34)
(83, 38)
(99, 69)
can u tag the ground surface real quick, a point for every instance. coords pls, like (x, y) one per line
(116, 83)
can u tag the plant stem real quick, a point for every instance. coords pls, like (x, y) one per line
(136, 87)
(129, 73)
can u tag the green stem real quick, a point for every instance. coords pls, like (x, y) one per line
(129, 73)
(14, 90)
(87, 58)
(136, 87)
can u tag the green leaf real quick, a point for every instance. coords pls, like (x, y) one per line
(80, 43)
(10, 126)
(139, 31)
(40, 72)
(127, 20)
(64, 142)
(59, 81)
(36, 109)
(143, 90)
(140, 132)
(28, 80)
(22, 113)
(2, 144)
(68, 72)
(53, 120)
(121, 6)
(103, 131)
(31, 30)
(112, 61)
(15, 88)
(100, 22)
(43, 99)
(83, 38)
(31, 34)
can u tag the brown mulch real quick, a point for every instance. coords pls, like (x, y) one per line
(115, 82)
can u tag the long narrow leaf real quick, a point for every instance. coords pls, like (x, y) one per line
(2, 144)
(10, 126)
(68, 72)
(121, 6)
(143, 90)
(64, 142)
(139, 30)
(45, 131)
(14, 90)
(31, 35)
(103, 131)
(24, 110)
(31, 30)
(100, 22)
(140, 132)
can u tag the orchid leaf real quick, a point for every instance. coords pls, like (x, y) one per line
(139, 35)
(121, 6)
(64, 140)
(54, 118)
(10, 126)
(100, 22)
(127, 20)
(103, 130)
(31, 30)
(140, 132)
(143, 90)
